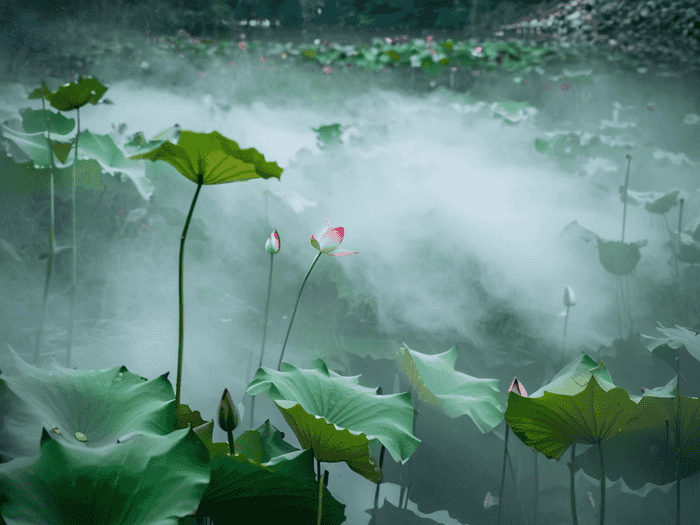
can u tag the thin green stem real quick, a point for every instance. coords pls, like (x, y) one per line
(624, 208)
(503, 475)
(262, 351)
(52, 245)
(563, 344)
(181, 337)
(71, 313)
(573, 484)
(602, 484)
(320, 492)
(294, 313)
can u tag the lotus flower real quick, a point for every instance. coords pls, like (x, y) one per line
(330, 240)
(327, 243)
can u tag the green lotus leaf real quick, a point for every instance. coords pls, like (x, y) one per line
(140, 478)
(112, 160)
(42, 120)
(73, 95)
(34, 147)
(266, 477)
(654, 202)
(107, 433)
(337, 417)
(646, 452)
(212, 158)
(54, 397)
(436, 382)
(620, 258)
(580, 405)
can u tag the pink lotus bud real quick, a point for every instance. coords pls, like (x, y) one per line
(272, 245)
(569, 297)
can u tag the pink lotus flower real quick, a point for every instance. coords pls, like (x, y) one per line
(330, 240)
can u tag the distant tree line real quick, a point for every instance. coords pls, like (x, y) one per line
(339, 14)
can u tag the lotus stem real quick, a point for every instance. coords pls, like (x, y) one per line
(71, 313)
(294, 313)
(181, 337)
(52, 244)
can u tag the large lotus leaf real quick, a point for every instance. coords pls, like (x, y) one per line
(213, 157)
(32, 146)
(140, 478)
(338, 417)
(688, 250)
(581, 404)
(100, 148)
(620, 258)
(654, 202)
(267, 477)
(112, 160)
(645, 453)
(437, 382)
(12, 96)
(39, 121)
(86, 408)
(573, 229)
(666, 347)
(694, 229)
(73, 95)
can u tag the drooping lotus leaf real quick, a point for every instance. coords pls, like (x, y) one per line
(437, 383)
(25, 145)
(667, 347)
(337, 417)
(645, 453)
(73, 95)
(40, 121)
(620, 258)
(267, 477)
(100, 148)
(685, 247)
(580, 405)
(653, 201)
(213, 157)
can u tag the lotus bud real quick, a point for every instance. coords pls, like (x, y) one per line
(272, 245)
(569, 297)
(228, 413)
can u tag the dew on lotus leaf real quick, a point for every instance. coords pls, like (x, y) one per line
(654, 449)
(80, 436)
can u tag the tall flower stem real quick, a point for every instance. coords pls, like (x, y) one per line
(52, 245)
(294, 313)
(262, 351)
(71, 311)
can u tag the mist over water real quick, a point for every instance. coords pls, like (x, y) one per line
(445, 204)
